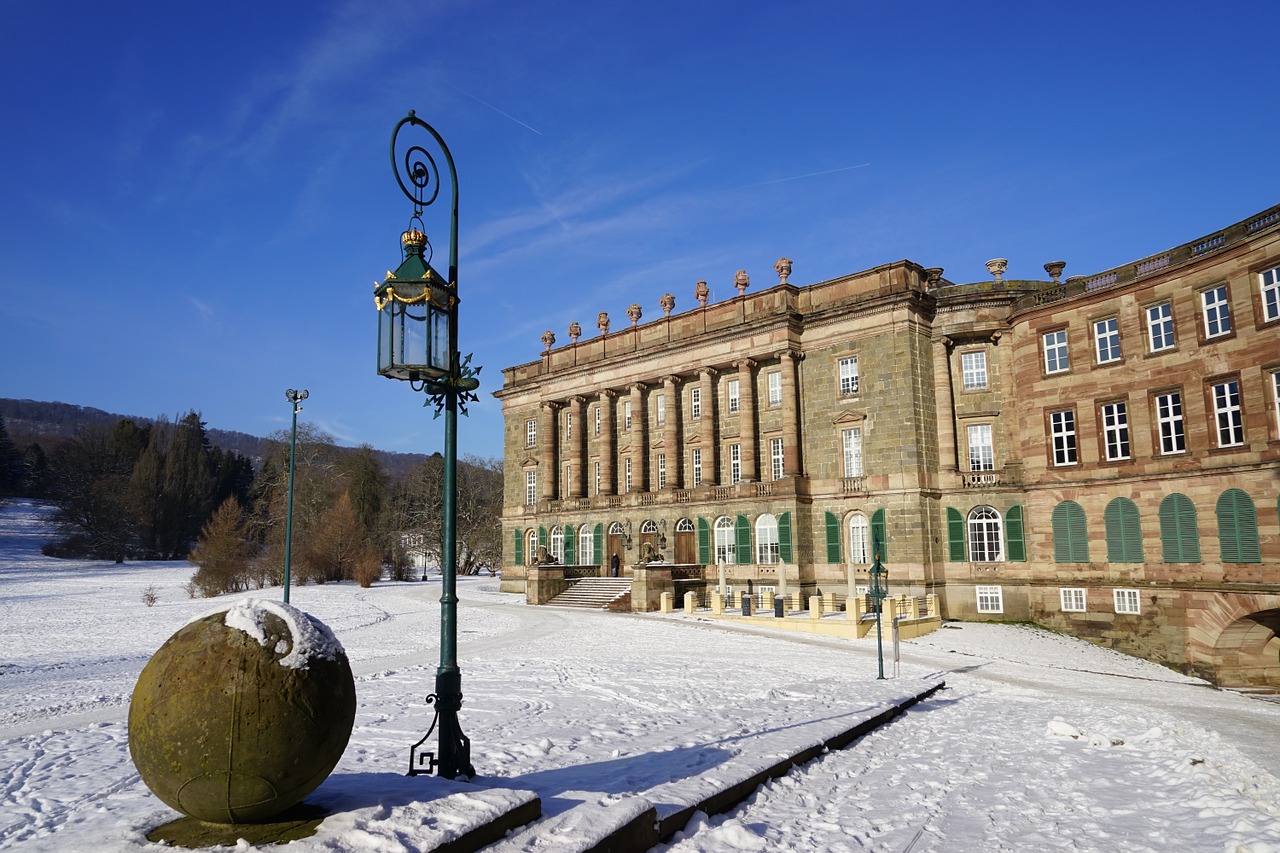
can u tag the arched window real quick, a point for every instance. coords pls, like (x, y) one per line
(1179, 535)
(586, 546)
(1070, 535)
(724, 540)
(684, 525)
(649, 527)
(766, 540)
(986, 536)
(1124, 531)
(1238, 528)
(532, 556)
(615, 529)
(557, 544)
(859, 540)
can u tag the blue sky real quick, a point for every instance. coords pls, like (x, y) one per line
(197, 198)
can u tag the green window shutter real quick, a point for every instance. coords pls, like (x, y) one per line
(1070, 536)
(955, 534)
(598, 533)
(784, 538)
(1238, 528)
(570, 546)
(519, 540)
(743, 531)
(1124, 531)
(704, 542)
(833, 538)
(1014, 538)
(879, 536)
(1179, 531)
(542, 536)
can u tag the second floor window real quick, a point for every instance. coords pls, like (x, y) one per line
(695, 466)
(734, 401)
(1115, 431)
(695, 403)
(531, 432)
(1062, 431)
(1106, 338)
(775, 388)
(1269, 281)
(530, 488)
(661, 407)
(1173, 438)
(851, 439)
(627, 474)
(775, 458)
(1227, 415)
(568, 426)
(981, 450)
(1216, 311)
(1055, 351)
(849, 376)
(662, 470)
(597, 420)
(626, 415)
(974, 367)
(1160, 326)
(735, 464)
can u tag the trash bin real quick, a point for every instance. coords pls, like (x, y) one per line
(779, 606)
(746, 604)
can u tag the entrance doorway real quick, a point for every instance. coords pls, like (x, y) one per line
(686, 542)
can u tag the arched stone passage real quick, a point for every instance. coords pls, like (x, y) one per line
(1233, 639)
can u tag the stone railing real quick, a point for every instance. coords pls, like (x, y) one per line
(979, 479)
(853, 485)
(763, 490)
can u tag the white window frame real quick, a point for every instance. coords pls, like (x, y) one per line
(568, 426)
(990, 599)
(557, 544)
(774, 380)
(776, 458)
(695, 404)
(597, 416)
(531, 432)
(597, 477)
(532, 556)
(626, 415)
(1073, 599)
(982, 450)
(1057, 359)
(851, 445)
(586, 546)
(626, 466)
(1160, 332)
(859, 540)
(530, 487)
(726, 543)
(986, 535)
(1063, 437)
(768, 551)
(1215, 309)
(848, 370)
(660, 407)
(695, 466)
(1269, 290)
(1115, 431)
(733, 396)
(662, 471)
(1106, 340)
(735, 464)
(973, 369)
(1127, 601)
(1228, 417)
(1170, 423)
(1275, 397)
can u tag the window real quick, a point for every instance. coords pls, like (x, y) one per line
(626, 466)
(974, 367)
(1106, 339)
(985, 536)
(568, 426)
(696, 467)
(1062, 430)
(568, 478)
(990, 599)
(662, 470)
(1227, 415)
(1070, 533)
(533, 546)
(724, 540)
(849, 376)
(775, 388)
(981, 451)
(1160, 327)
(775, 458)
(733, 395)
(1127, 601)
(766, 540)
(1115, 431)
(1238, 528)
(1124, 531)
(735, 464)
(557, 544)
(531, 432)
(597, 477)
(661, 406)
(586, 546)
(1173, 438)
(1055, 352)
(530, 488)
(1275, 397)
(1216, 311)
(859, 540)
(695, 403)
(1179, 534)
(626, 415)
(851, 439)
(1269, 282)
(597, 416)
(1072, 600)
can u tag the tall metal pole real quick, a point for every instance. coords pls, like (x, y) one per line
(296, 398)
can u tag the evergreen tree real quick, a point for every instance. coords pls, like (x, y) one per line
(11, 479)
(366, 484)
(90, 482)
(35, 472)
(223, 552)
(188, 489)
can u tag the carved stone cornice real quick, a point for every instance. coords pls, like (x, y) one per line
(708, 372)
(748, 363)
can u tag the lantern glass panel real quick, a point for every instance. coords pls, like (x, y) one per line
(439, 343)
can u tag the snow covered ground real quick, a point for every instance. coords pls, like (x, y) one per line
(1039, 742)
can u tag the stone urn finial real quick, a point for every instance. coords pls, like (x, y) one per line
(667, 303)
(634, 313)
(602, 322)
(548, 340)
(1054, 269)
(741, 281)
(701, 292)
(783, 269)
(575, 331)
(997, 266)
(932, 276)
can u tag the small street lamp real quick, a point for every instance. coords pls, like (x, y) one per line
(417, 341)
(296, 398)
(879, 590)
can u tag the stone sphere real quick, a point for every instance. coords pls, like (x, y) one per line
(242, 713)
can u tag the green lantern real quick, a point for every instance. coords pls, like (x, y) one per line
(414, 306)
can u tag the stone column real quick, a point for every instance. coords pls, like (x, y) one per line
(947, 459)
(790, 416)
(710, 446)
(639, 429)
(671, 431)
(747, 419)
(577, 448)
(547, 460)
(608, 425)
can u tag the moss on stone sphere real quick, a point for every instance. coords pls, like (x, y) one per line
(243, 713)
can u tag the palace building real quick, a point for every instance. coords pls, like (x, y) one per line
(1099, 455)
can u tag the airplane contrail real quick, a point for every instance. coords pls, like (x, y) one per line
(798, 177)
(500, 112)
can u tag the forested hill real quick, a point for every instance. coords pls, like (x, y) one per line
(50, 424)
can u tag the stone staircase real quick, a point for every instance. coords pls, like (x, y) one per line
(593, 593)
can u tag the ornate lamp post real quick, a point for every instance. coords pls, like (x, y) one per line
(296, 398)
(879, 590)
(417, 341)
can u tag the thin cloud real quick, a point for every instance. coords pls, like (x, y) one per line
(498, 111)
(798, 177)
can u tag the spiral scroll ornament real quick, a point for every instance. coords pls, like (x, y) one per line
(417, 166)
